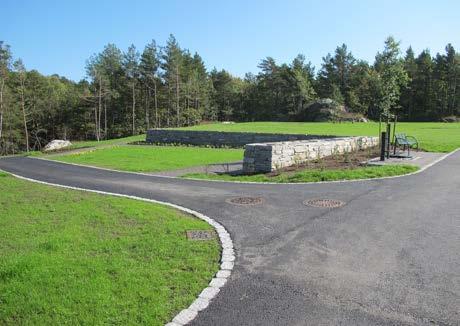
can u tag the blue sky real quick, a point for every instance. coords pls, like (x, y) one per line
(58, 36)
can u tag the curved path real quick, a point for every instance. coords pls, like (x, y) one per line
(389, 256)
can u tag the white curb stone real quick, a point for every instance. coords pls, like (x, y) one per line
(225, 238)
(228, 258)
(228, 252)
(173, 324)
(218, 282)
(185, 316)
(220, 228)
(227, 244)
(223, 274)
(227, 265)
(199, 304)
(209, 293)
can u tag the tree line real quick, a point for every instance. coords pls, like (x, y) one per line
(128, 92)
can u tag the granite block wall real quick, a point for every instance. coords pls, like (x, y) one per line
(219, 139)
(267, 157)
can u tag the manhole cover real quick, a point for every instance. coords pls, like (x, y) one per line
(200, 234)
(328, 203)
(245, 200)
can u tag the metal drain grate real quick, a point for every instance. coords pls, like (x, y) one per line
(324, 203)
(200, 234)
(245, 201)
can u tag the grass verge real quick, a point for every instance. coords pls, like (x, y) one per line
(432, 136)
(138, 158)
(314, 175)
(70, 257)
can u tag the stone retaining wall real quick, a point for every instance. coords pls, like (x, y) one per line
(269, 157)
(218, 139)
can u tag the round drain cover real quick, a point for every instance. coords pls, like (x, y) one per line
(328, 203)
(245, 200)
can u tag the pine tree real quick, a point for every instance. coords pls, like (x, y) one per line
(172, 65)
(148, 69)
(5, 66)
(100, 85)
(424, 88)
(111, 65)
(408, 92)
(131, 68)
(335, 76)
(22, 77)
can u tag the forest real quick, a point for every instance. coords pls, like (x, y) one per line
(127, 92)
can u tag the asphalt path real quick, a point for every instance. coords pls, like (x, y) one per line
(389, 256)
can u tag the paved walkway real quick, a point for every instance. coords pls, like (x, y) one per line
(420, 159)
(389, 256)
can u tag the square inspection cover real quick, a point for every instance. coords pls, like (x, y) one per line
(201, 235)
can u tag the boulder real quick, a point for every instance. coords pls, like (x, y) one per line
(56, 144)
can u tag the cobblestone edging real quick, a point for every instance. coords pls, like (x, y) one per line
(219, 138)
(267, 157)
(227, 257)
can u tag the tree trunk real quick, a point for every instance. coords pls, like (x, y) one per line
(134, 109)
(24, 117)
(157, 124)
(105, 119)
(1, 108)
(97, 114)
(186, 110)
(168, 113)
(96, 133)
(177, 97)
(147, 105)
(99, 120)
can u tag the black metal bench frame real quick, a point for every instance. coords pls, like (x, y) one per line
(407, 142)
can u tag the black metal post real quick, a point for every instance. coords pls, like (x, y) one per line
(394, 134)
(388, 140)
(383, 140)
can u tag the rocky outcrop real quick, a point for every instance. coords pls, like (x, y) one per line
(329, 110)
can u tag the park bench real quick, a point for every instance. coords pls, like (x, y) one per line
(407, 142)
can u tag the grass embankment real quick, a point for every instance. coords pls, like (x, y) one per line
(149, 158)
(432, 136)
(314, 175)
(70, 257)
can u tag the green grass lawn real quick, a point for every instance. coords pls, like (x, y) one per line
(314, 175)
(433, 136)
(76, 258)
(151, 158)
(115, 141)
